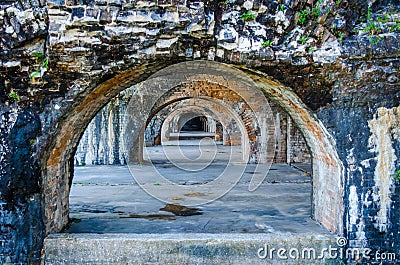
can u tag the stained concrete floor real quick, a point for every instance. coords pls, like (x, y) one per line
(107, 199)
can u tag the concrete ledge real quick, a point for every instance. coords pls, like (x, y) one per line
(183, 248)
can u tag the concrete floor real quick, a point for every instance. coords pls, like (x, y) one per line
(107, 199)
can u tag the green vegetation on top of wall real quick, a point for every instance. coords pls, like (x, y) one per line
(306, 15)
(43, 64)
(385, 22)
(267, 43)
(247, 16)
(14, 95)
(397, 175)
(302, 39)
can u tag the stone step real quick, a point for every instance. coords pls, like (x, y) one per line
(187, 249)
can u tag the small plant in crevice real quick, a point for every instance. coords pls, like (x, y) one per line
(305, 15)
(267, 43)
(374, 39)
(396, 175)
(315, 12)
(247, 16)
(282, 8)
(380, 23)
(14, 95)
(372, 28)
(311, 49)
(338, 2)
(43, 64)
(340, 39)
(302, 39)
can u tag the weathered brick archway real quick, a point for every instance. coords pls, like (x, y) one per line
(224, 110)
(327, 170)
(234, 129)
(208, 109)
(221, 110)
(158, 93)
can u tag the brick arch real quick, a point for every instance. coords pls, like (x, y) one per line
(201, 87)
(185, 115)
(243, 116)
(204, 107)
(220, 113)
(58, 155)
(327, 167)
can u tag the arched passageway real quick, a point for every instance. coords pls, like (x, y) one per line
(214, 110)
(192, 123)
(327, 191)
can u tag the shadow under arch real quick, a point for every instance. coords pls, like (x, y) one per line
(58, 162)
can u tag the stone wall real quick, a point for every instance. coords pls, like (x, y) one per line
(336, 69)
(290, 145)
(23, 27)
(298, 152)
(103, 141)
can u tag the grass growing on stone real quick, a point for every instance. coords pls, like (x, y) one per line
(382, 23)
(247, 16)
(14, 95)
(305, 15)
(397, 175)
(340, 39)
(43, 64)
(303, 39)
(267, 43)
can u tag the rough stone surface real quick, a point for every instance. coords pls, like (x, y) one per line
(339, 85)
(102, 143)
(177, 249)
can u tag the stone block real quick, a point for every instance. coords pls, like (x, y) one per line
(179, 248)
(77, 12)
(56, 2)
(350, 47)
